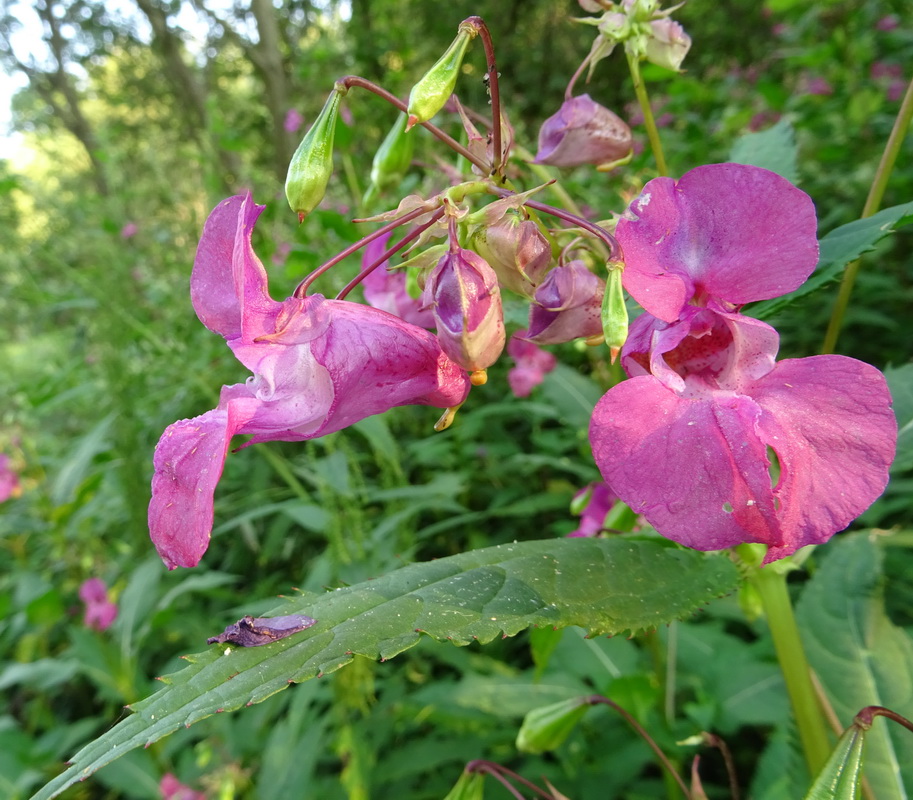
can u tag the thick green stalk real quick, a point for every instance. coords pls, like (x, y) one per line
(872, 203)
(771, 585)
(649, 122)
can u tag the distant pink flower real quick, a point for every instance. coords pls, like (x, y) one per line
(318, 366)
(281, 253)
(100, 611)
(172, 789)
(817, 85)
(896, 90)
(532, 365)
(599, 501)
(9, 480)
(293, 121)
(129, 230)
(763, 119)
(887, 23)
(883, 69)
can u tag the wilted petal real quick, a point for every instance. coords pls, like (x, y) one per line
(583, 132)
(668, 44)
(726, 231)
(567, 306)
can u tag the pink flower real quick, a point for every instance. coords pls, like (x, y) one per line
(818, 86)
(293, 121)
(129, 230)
(583, 132)
(532, 365)
(686, 441)
(172, 789)
(100, 611)
(318, 366)
(9, 480)
(387, 290)
(887, 23)
(599, 501)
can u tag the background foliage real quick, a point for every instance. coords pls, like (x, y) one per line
(148, 113)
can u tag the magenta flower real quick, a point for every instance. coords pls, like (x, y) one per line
(293, 121)
(318, 366)
(100, 611)
(567, 306)
(172, 789)
(599, 501)
(9, 480)
(726, 232)
(583, 132)
(386, 290)
(687, 441)
(532, 365)
(129, 230)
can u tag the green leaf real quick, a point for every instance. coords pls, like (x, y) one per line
(900, 381)
(838, 248)
(774, 149)
(840, 778)
(573, 395)
(860, 656)
(606, 586)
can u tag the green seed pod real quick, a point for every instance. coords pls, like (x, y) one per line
(545, 728)
(614, 312)
(312, 165)
(432, 91)
(392, 158)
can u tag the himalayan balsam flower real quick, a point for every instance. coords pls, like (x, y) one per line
(9, 480)
(129, 230)
(100, 611)
(532, 365)
(711, 439)
(599, 501)
(293, 121)
(583, 132)
(318, 366)
(172, 789)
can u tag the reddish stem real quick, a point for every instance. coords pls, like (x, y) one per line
(494, 92)
(389, 254)
(615, 254)
(491, 768)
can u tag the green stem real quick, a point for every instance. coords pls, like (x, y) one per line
(649, 122)
(872, 203)
(771, 585)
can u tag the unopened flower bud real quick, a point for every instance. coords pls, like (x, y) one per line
(614, 312)
(546, 728)
(516, 250)
(466, 302)
(567, 306)
(583, 132)
(312, 165)
(392, 158)
(434, 89)
(668, 45)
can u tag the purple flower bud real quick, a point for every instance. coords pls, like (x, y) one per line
(517, 251)
(466, 301)
(567, 306)
(583, 132)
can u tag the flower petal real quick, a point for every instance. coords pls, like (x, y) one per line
(728, 231)
(829, 420)
(693, 467)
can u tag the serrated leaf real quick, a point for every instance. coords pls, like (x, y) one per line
(774, 149)
(838, 248)
(606, 586)
(860, 656)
